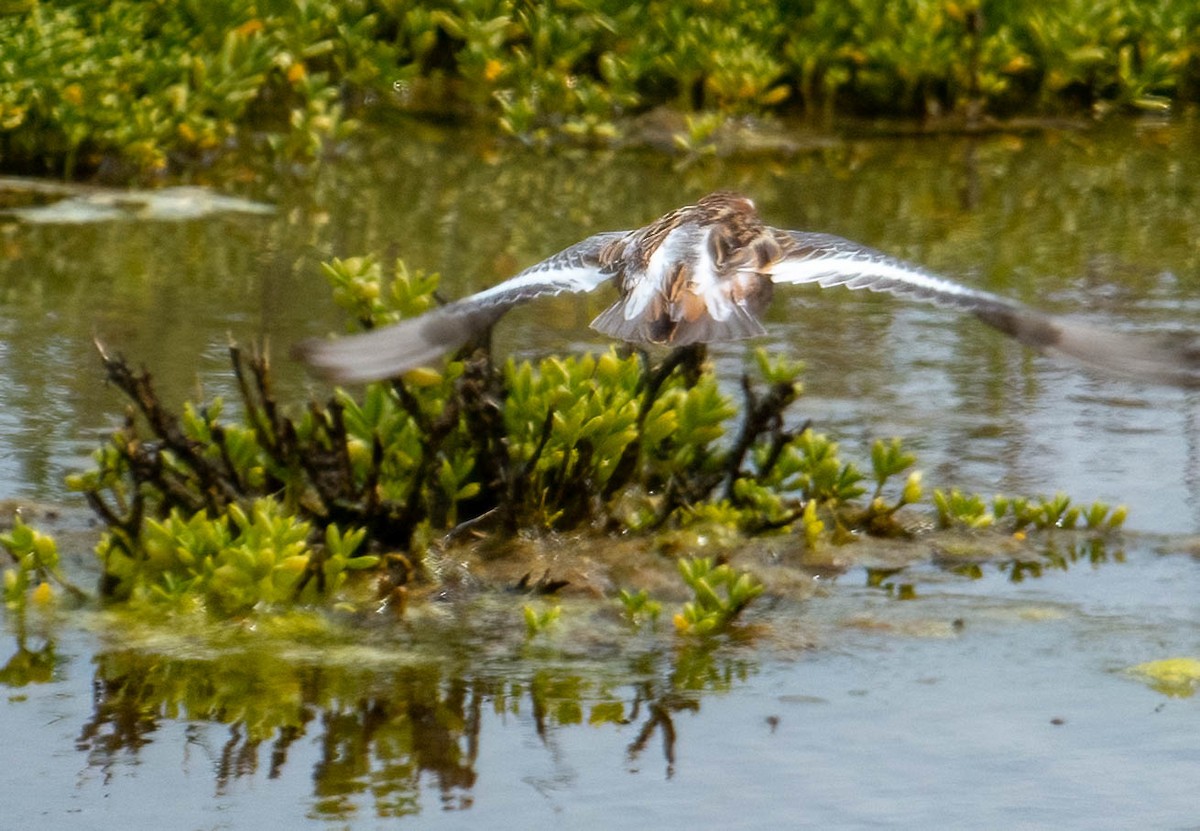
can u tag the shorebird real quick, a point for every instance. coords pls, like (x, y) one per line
(705, 273)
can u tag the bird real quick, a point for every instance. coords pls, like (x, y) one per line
(705, 273)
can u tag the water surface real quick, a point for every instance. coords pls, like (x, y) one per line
(986, 702)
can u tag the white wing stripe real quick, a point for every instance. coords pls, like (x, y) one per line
(550, 281)
(393, 349)
(678, 248)
(859, 273)
(571, 270)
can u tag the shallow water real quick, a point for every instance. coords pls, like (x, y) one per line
(985, 703)
(851, 707)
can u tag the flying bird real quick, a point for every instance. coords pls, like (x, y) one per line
(705, 273)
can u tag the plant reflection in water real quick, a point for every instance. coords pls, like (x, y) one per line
(388, 719)
(381, 734)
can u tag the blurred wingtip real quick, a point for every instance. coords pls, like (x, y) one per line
(310, 352)
(1164, 358)
(390, 351)
(381, 353)
(344, 361)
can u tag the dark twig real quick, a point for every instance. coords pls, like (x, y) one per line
(688, 359)
(148, 458)
(256, 413)
(762, 415)
(518, 482)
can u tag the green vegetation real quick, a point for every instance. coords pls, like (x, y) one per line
(955, 509)
(141, 85)
(138, 87)
(536, 621)
(35, 557)
(1175, 677)
(639, 608)
(232, 516)
(720, 595)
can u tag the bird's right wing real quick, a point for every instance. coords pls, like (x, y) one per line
(827, 260)
(391, 350)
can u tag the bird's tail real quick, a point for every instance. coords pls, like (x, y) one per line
(668, 326)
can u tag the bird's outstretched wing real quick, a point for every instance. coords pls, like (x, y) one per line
(832, 261)
(827, 260)
(392, 350)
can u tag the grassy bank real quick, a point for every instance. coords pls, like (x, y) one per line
(134, 88)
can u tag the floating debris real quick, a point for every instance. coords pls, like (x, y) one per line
(80, 205)
(1174, 677)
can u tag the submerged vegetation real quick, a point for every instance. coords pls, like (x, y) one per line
(278, 506)
(132, 88)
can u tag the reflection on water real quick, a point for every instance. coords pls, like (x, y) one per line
(379, 734)
(460, 711)
(383, 734)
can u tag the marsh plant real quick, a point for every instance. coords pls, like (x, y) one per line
(35, 566)
(720, 594)
(285, 505)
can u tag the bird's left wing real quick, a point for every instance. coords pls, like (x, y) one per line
(392, 350)
(1165, 358)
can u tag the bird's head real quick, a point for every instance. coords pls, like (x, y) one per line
(726, 205)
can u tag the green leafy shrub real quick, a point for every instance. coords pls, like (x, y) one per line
(538, 622)
(141, 86)
(144, 83)
(638, 607)
(236, 561)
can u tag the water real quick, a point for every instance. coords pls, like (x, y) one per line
(850, 707)
(890, 715)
